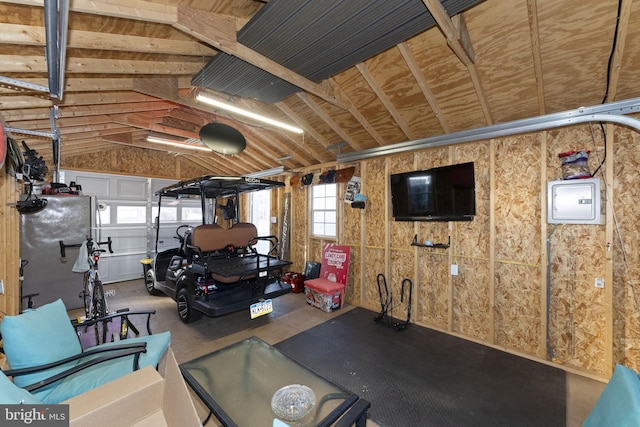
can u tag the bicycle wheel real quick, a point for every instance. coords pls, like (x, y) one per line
(99, 308)
(86, 295)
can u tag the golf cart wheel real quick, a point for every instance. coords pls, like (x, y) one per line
(149, 278)
(185, 308)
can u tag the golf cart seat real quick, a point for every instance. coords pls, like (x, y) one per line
(229, 246)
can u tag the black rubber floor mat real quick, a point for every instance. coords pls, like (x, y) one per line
(421, 377)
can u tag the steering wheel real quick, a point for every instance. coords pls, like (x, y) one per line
(182, 231)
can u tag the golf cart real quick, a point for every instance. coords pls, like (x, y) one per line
(215, 270)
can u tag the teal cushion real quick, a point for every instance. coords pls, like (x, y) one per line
(619, 403)
(38, 337)
(156, 346)
(11, 394)
(102, 373)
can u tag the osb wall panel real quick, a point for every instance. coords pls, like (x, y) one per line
(517, 242)
(517, 199)
(352, 218)
(517, 307)
(315, 250)
(130, 161)
(471, 293)
(353, 290)
(352, 236)
(374, 259)
(401, 232)
(472, 239)
(431, 290)
(577, 312)
(626, 252)
(376, 210)
(577, 307)
(298, 228)
(470, 245)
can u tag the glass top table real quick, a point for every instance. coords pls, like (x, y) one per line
(237, 384)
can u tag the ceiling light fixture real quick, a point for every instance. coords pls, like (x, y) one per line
(180, 144)
(266, 172)
(222, 138)
(201, 97)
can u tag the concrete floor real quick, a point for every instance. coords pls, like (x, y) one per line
(291, 315)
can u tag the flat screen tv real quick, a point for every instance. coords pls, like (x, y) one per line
(439, 194)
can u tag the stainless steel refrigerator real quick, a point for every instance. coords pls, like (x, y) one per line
(66, 218)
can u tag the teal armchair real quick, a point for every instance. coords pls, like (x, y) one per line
(48, 363)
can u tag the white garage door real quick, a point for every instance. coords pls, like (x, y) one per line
(126, 207)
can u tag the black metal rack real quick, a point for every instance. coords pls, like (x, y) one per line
(433, 245)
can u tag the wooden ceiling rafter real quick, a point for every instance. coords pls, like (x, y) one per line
(317, 109)
(166, 89)
(366, 125)
(308, 129)
(27, 35)
(384, 98)
(38, 64)
(532, 14)
(422, 83)
(74, 84)
(455, 31)
(274, 144)
(618, 53)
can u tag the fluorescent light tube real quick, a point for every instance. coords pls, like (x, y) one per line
(172, 143)
(232, 108)
(266, 172)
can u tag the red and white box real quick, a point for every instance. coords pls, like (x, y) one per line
(327, 291)
(324, 294)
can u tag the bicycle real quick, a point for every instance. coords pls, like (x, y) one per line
(95, 304)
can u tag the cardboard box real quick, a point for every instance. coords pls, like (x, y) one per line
(143, 398)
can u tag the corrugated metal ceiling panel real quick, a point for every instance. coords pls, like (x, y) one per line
(316, 39)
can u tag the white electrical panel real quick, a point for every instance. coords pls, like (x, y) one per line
(574, 201)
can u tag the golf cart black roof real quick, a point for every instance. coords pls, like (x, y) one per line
(217, 186)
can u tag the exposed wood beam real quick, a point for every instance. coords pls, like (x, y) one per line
(382, 96)
(274, 144)
(76, 99)
(37, 64)
(532, 12)
(101, 127)
(408, 57)
(88, 84)
(129, 9)
(130, 107)
(455, 31)
(21, 102)
(356, 113)
(456, 39)
(35, 36)
(167, 89)
(66, 122)
(313, 105)
(220, 32)
(89, 135)
(308, 129)
(618, 53)
(146, 122)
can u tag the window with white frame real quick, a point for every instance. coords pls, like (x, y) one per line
(323, 210)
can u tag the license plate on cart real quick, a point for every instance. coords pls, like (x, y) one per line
(261, 308)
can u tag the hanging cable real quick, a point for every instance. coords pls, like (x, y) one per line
(608, 82)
